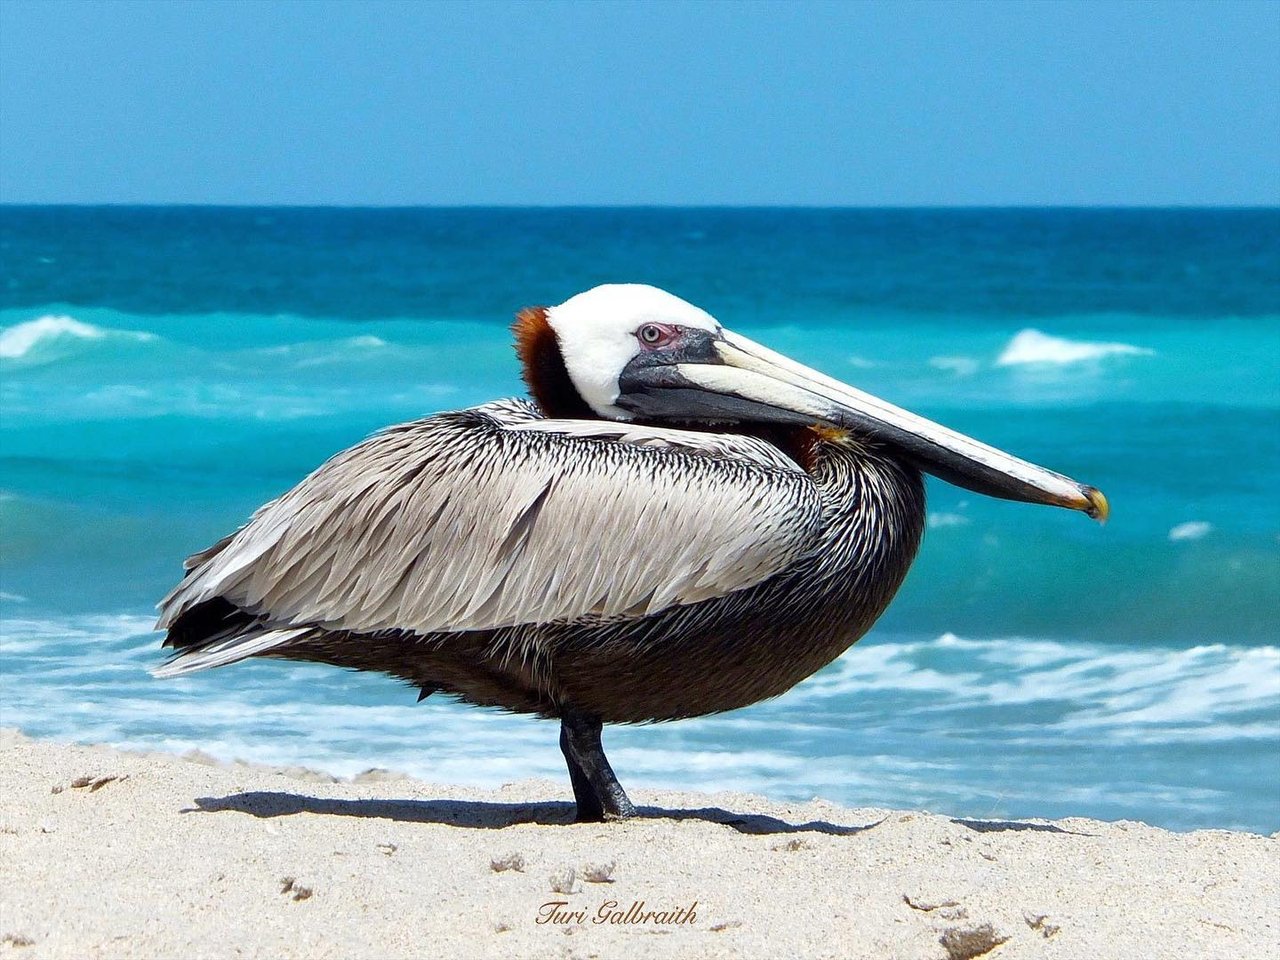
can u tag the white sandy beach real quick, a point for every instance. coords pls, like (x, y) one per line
(112, 854)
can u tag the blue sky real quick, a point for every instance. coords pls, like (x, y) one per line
(843, 103)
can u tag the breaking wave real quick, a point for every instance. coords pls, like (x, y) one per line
(1122, 694)
(1033, 347)
(23, 339)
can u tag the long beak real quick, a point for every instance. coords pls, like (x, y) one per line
(755, 374)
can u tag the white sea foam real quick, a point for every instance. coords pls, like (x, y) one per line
(938, 520)
(1118, 694)
(1191, 530)
(20, 339)
(118, 395)
(1033, 347)
(110, 626)
(343, 351)
(960, 366)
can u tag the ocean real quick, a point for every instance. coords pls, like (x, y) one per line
(163, 371)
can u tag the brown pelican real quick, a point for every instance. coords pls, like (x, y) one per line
(681, 522)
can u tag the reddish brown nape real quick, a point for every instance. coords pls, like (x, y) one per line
(808, 442)
(544, 370)
(801, 444)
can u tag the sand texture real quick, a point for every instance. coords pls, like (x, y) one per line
(111, 854)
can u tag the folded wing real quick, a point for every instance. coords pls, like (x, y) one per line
(493, 517)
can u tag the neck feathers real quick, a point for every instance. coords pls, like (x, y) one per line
(543, 368)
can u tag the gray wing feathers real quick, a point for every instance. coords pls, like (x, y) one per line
(492, 517)
(228, 650)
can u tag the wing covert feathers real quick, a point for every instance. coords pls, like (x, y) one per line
(493, 516)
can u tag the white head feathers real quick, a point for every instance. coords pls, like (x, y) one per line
(597, 335)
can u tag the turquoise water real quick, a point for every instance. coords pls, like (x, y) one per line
(164, 371)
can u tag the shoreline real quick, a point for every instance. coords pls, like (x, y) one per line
(115, 854)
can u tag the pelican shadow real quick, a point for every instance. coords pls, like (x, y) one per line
(485, 815)
(1002, 826)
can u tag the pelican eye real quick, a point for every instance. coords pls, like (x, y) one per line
(655, 334)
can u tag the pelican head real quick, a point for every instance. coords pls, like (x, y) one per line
(634, 352)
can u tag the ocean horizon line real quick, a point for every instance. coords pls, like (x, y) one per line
(877, 208)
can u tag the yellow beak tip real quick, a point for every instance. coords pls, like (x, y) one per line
(1098, 507)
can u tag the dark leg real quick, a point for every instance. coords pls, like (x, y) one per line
(589, 808)
(599, 795)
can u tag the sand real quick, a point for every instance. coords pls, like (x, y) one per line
(112, 854)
